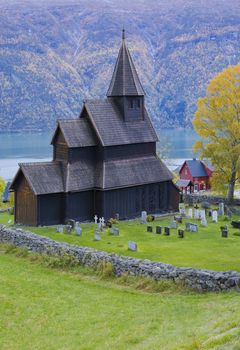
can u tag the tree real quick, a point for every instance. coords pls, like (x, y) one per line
(217, 122)
(2, 185)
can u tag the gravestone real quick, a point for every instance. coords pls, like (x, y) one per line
(68, 228)
(60, 228)
(180, 233)
(182, 211)
(166, 231)
(193, 227)
(196, 214)
(210, 213)
(221, 209)
(190, 213)
(158, 230)
(95, 219)
(204, 222)
(215, 216)
(225, 233)
(117, 216)
(71, 222)
(114, 231)
(173, 224)
(149, 229)
(78, 229)
(188, 225)
(132, 246)
(202, 214)
(97, 236)
(143, 217)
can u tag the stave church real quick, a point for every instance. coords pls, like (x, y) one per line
(104, 162)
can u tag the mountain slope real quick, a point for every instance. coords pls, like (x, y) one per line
(54, 56)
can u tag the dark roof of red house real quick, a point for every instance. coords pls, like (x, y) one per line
(196, 168)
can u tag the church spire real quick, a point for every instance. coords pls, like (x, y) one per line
(125, 80)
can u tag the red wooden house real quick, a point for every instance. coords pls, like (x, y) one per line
(194, 176)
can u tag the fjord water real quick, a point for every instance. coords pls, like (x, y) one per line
(175, 145)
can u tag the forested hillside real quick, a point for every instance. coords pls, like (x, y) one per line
(55, 54)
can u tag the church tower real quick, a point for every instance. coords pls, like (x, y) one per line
(125, 89)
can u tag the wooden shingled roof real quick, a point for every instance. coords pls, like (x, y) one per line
(125, 80)
(43, 178)
(76, 132)
(130, 172)
(113, 130)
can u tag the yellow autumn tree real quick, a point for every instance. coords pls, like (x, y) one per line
(217, 122)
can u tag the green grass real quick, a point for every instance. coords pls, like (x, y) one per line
(44, 308)
(205, 249)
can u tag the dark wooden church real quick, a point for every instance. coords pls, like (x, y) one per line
(104, 162)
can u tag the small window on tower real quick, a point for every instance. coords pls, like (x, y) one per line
(138, 103)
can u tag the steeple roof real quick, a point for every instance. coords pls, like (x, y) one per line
(125, 80)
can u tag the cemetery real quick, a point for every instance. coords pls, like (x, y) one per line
(195, 237)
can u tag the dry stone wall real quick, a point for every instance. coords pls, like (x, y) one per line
(201, 280)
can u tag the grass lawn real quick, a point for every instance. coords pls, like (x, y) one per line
(205, 249)
(43, 308)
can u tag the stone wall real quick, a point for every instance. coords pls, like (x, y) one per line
(201, 280)
(195, 198)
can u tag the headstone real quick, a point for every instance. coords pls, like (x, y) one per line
(196, 214)
(193, 227)
(95, 219)
(71, 222)
(114, 231)
(182, 211)
(78, 229)
(143, 217)
(210, 213)
(215, 216)
(190, 213)
(97, 235)
(188, 225)
(221, 209)
(68, 228)
(166, 231)
(149, 229)
(117, 216)
(132, 246)
(173, 224)
(202, 214)
(100, 226)
(158, 230)
(60, 229)
(180, 233)
(204, 222)
(225, 233)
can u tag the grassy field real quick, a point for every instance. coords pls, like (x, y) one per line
(205, 249)
(44, 308)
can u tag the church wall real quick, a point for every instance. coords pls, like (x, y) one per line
(51, 209)
(60, 148)
(80, 205)
(129, 202)
(25, 203)
(82, 153)
(129, 151)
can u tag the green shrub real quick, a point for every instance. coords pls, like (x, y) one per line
(113, 221)
(105, 269)
(236, 233)
(64, 260)
(150, 218)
